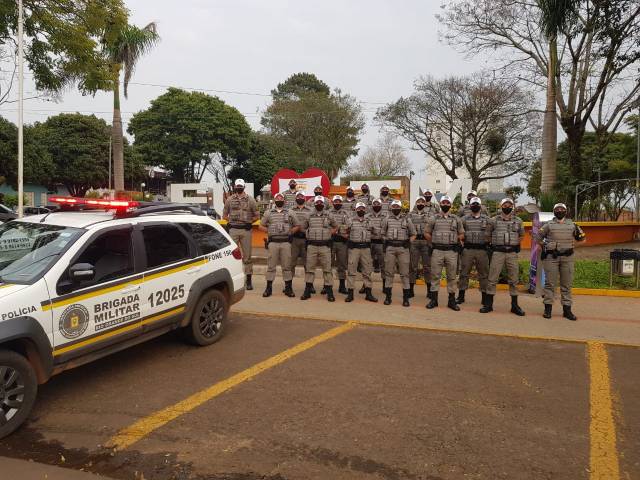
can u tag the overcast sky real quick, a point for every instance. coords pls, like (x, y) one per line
(371, 49)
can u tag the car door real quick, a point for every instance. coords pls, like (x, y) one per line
(171, 267)
(97, 312)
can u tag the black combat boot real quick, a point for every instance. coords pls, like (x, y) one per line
(460, 298)
(269, 290)
(515, 308)
(248, 284)
(368, 296)
(484, 298)
(362, 290)
(567, 313)
(329, 290)
(411, 290)
(433, 296)
(313, 290)
(349, 295)
(307, 291)
(452, 302)
(342, 288)
(488, 304)
(547, 310)
(406, 295)
(288, 289)
(387, 298)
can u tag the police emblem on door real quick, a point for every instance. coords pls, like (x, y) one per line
(74, 321)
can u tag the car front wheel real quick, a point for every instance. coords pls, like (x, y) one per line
(18, 389)
(208, 319)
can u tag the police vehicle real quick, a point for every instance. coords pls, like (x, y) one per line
(99, 276)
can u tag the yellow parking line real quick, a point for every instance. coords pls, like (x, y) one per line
(604, 461)
(143, 427)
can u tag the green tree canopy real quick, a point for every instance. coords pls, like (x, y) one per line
(300, 84)
(190, 132)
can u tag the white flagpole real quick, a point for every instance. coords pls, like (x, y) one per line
(20, 111)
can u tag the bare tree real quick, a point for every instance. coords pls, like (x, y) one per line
(483, 125)
(386, 159)
(595, 79)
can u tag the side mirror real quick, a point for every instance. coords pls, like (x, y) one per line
(81, 272)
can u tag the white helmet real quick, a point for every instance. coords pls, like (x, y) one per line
(239, 182)
(337, 197)
(506, 200)
(360, 204)
(318, 198)
(475, 200)
(396, 203)
(445, 198)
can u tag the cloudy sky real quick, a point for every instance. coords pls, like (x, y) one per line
(371, 49)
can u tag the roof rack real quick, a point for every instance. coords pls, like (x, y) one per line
(146, 208)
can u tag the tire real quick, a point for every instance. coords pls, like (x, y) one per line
(18, 390)
(208, 319)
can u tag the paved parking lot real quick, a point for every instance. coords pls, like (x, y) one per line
(281, 398)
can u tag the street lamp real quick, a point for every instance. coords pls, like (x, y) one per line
(20, 111)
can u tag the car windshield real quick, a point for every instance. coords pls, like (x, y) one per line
(27, 250)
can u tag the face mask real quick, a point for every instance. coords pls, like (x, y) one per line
(350, 194)
(420, 206)
(280, 203)
(300, 201)
(239, 189)
(317, 194)
(445, 208)
(560, 215)
(337, 206)
(384, 193)
(507, 210)
(365, 190)
(360, 213)
(377, 208)
(395, 211)
(292, 187)
(428, 198)
(475, 208)
(319, 207)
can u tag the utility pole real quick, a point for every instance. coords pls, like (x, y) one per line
(638, 168)
(599, 199)
(20, 112)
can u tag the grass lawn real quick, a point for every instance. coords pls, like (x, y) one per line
(588, 274)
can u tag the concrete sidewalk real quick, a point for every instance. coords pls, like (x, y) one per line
(12, 469)
(604, 319)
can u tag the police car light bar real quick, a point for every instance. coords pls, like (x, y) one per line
(94, 202)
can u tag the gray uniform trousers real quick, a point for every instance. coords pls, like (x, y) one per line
(298, 250)
(362, 257)
(469, 258)
(340, 256)
(554, 267)
(447, 259)
(279, 254)
(243, 239)
(397, 259)
(377, 255)
(499, 260)
(319, 254)
(420, 252)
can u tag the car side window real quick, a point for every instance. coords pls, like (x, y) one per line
(207, 237)
(164, 244)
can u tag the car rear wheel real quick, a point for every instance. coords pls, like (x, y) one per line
(18, 389)
(208, 319)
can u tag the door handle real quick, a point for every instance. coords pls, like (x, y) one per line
(133, 288)
(193, 270)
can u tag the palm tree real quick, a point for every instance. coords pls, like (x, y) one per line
(556, 16)
(129, 45)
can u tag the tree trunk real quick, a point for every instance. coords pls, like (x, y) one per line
(574, 141)
(550, 126)
(117, 141)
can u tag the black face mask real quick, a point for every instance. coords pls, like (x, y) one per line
(350, 194)
(420, 206)
(507, 210)
(445, 208)
(365, 190)
(239, 189)
(317, 194)
(377, 208)
(319, 207)
(360, 213)
(428, 198)
(292, 187)
(280, 203)
(395, 211)
(337, 206)
(384, 193)
(475, 208)
(560, 215)
(300, 201)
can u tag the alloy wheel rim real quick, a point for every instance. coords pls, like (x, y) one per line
(12, 390)
(211, 317)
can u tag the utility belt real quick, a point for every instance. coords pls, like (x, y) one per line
(420, 236)
(241, 226)
(475, 246)
(445, 247)
(319, 243)
(397, 243)
(302, 235)
(351, 244)
(505, 249)
(377, 241)
(338, 239)
(279, 240)
(556, 253)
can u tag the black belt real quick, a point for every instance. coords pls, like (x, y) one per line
(319, 243)
(445, 247)
(300, 235)
(377, 241)
(241, 226)
(420, 237)
(398, 243)
(359, 244)
(338, 239)
(475, 246)
(560, 253)
(504, 249)
(279, 239)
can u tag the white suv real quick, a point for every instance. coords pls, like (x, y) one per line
(82, 283)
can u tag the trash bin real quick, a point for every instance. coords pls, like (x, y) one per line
(624, 262)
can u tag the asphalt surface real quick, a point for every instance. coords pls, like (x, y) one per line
(369, 403)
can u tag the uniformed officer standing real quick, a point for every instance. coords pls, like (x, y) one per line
(241, 210)
(445, 232)
(377, 242)
(318, 192)
(385, 198)
(365, 197)
(474, 250)
(299, 241)
(290, 195)
(398, 232)
(349, 203)
(558, 237)
(359, 245)
(280, 224)
(320, 227)
(430, 207)
(505, 232)
(466, 208)
(339, 251)
(420, 246)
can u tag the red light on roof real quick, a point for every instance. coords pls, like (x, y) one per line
(95, 202)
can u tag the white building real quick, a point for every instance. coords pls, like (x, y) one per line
(434, 177)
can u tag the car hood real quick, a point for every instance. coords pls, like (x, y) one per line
(7, 289)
